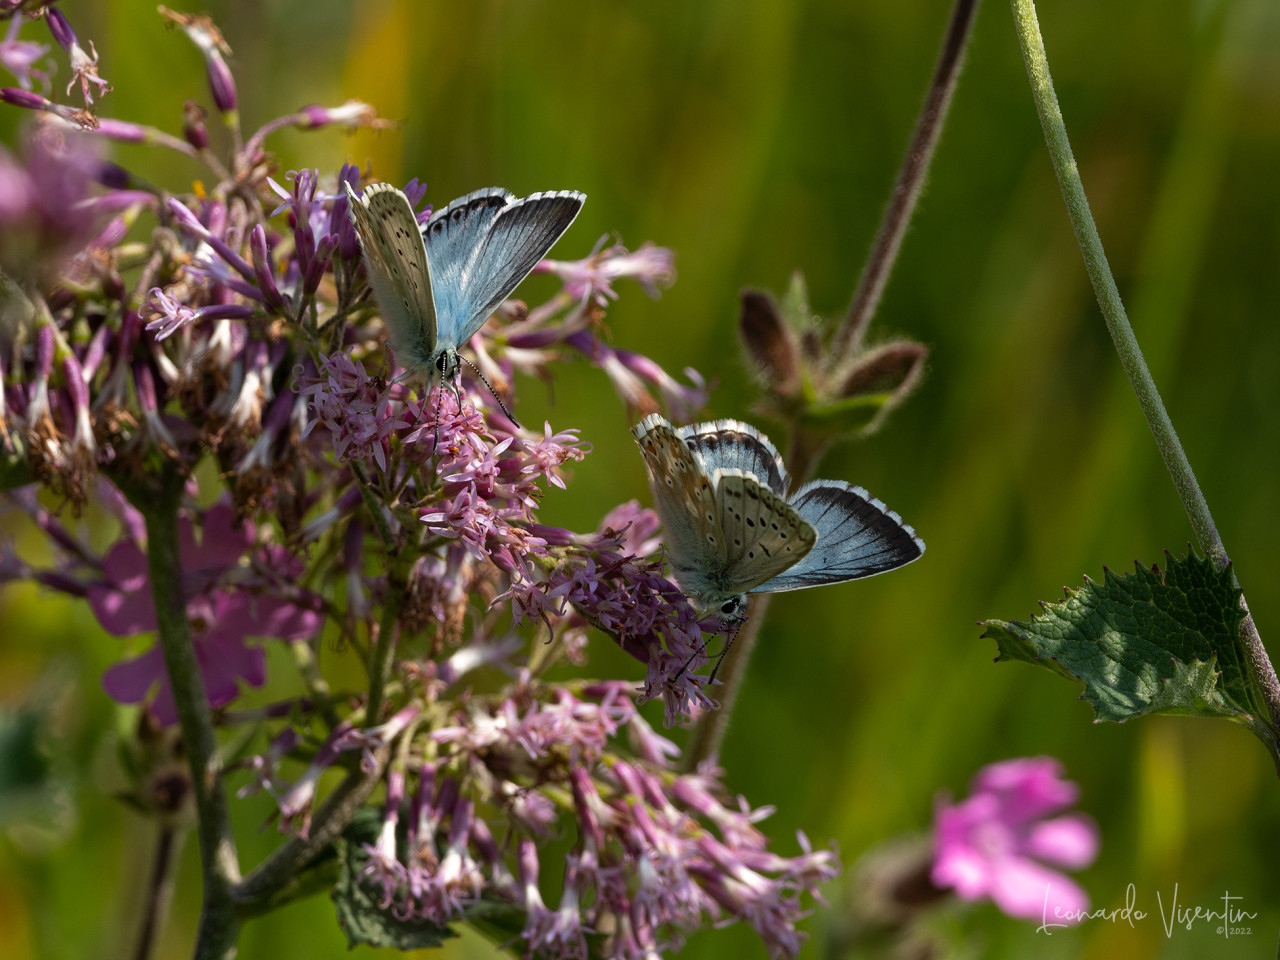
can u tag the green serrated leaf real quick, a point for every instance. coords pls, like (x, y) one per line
(1147, 642)
(365, 922)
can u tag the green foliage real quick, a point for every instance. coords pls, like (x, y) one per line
(1148, 642)
(365, 922)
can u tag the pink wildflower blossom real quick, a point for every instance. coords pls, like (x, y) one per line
(996, 843)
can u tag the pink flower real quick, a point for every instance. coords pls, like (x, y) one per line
(996, 843)
(592, 277)
(226, 603)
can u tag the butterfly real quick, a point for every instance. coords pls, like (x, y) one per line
(437, 283)
(730, 528)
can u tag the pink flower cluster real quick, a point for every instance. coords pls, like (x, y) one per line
(233, 355)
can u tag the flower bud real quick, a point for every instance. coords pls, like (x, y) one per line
(769, 344)
(893, 368)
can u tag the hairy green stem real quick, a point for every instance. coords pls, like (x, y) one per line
(1126, 344)
(911, 177)
(802, 457)
(158, 504)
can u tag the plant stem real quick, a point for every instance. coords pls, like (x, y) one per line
(281, 868)
(384, 650)
(802, 457)
(159, 506)
(159, 889)
(1126, 344)
(911, 176)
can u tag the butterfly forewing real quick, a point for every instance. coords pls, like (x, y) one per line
(482, 245)
(396, 267)
(685, 500)
(858, 536)
(734, 445)
(764, 536)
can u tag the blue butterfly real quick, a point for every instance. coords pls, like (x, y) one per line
(730, 528)
(437, 283)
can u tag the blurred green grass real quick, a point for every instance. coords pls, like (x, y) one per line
(759, 137)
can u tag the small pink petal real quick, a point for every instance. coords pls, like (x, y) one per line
(222, 544)
(1029, 787)
(1069, 841)
(129, 681)
(1024, 888)
(250, 616)
(224, 661)
(162, 707)
(126, 565)
(124, 612)
(964, 870)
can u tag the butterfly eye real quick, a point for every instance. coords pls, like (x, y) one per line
(442, 362)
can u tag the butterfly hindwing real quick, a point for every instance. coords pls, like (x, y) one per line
(763, 534)
(734, 445)
(482, 245)
(685, 500)
(858, 536)
(395, 263)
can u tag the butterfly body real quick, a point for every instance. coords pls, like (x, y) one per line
(730, 527)
(437, 283)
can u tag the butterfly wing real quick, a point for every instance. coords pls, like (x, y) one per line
(685, 499)
(395, 263)
(482, 245)
(858, 536)
(763, 534)
(734, 445)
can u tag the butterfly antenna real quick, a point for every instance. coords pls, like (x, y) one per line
(435, 447)
(725, 651)
(692, 657)
(491, 390)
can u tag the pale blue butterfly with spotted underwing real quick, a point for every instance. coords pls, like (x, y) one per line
(730, 527)
(438, 282)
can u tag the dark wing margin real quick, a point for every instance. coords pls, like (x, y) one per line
(734, 445)
(858, 536)
(520, 236)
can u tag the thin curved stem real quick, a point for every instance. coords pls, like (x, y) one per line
(159, 889)
(1126, 343)
(1104, 284)
(802, 458)
(911, 177)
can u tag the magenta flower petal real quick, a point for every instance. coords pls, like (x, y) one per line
(257, 616)
(992, 844)
(1023, 888)
(1070, 841)
(130, 680)
(221, 543)
(124, 606)
(1030, 787)
(225, 660)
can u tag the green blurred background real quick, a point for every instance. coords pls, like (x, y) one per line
(756, 137)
